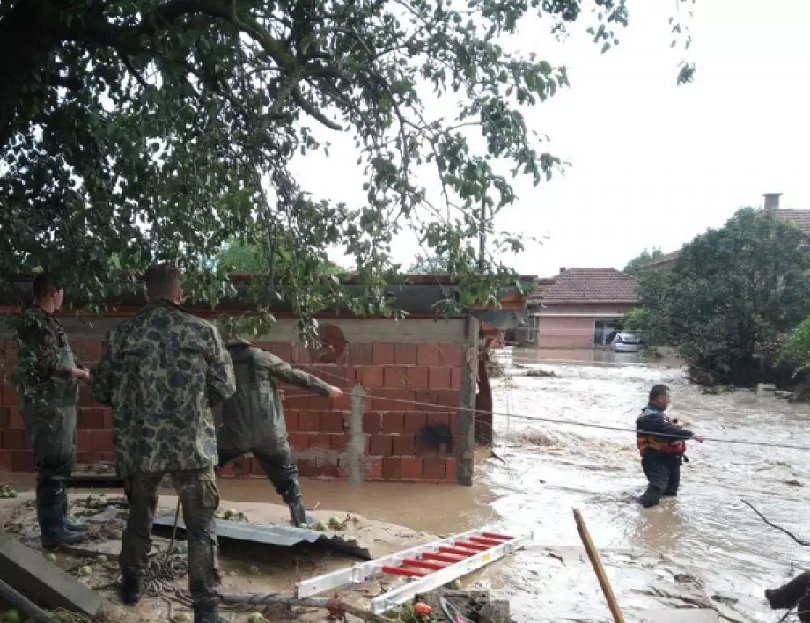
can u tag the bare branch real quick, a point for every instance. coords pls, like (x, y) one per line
(773, 525)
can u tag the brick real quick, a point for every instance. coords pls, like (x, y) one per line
(393, 422)
(84, 440)
(9, 350)
(319, 442)
(382, 353)
(298, 441)
(280, 349)
(10, 398)
(338, 442)
(331, 422)
(372, 423)
(414, 422)
(438, 399)
(381, 445)
(361, 354)
(450, 355)
(374, 469)
(22, 461)
(87, 350)
(411, 468)
(5, 460)
(451, 469)
(108, 418)
(5, 417)
(15, 418)
(455, 378)
(434, 468)
(437, 419)
(309, 421)
(371, 377)
(326, 471)
(241, 467)
(299, 354)
(108, 456)
(291, 420)
(392, 468)
(91, 418)
(92, 457)
(395, 377)
(85, 397)
(440, 378)
(225, 472)
(15, 439)
(418, 377)
(306, 468)
(428, 355)
(404, 445)
(103, 440)
(393, 400)
(405, 354)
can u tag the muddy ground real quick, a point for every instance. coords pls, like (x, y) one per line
(245, 568)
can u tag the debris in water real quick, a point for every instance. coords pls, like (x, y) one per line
(793, 483)
(541, 373)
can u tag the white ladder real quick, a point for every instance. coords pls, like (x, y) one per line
(428, 566)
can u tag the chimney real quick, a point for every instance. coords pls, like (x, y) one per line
(772, 201)
(562, 270)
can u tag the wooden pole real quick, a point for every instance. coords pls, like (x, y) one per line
(593, 554)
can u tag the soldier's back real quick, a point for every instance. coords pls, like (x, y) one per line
(161, 403)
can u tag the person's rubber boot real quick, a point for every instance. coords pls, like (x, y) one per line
(52, 529)
(130, 590)
(298, 514)
(67, 522)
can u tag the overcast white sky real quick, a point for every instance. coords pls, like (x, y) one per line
(654, 164)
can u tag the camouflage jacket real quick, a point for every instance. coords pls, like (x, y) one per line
(45, 359)
(254, 417)
(161, 373)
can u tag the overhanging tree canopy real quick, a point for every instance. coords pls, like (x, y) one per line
(135, 130)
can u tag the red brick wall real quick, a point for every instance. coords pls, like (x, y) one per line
(396, 376)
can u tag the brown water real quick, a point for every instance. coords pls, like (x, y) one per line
(706, 532)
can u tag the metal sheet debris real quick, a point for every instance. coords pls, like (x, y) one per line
(271, 534)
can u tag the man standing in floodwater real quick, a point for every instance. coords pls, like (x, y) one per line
(253, 418)
(662, 444)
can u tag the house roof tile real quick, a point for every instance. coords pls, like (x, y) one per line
(589, 285)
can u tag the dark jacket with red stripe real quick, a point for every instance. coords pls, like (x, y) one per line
(657, 434)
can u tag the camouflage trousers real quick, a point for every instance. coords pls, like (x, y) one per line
(276, 460)
(199, 498)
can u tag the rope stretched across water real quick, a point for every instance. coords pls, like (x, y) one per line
(559, 421)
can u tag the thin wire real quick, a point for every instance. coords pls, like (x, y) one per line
(548, 420)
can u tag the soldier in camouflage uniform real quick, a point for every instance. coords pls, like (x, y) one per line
(48, 386)
(162, 372)
(253, 418)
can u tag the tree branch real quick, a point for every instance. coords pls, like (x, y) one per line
(312, 111)
(773, 525)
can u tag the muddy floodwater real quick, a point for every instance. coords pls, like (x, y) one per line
(706, 535)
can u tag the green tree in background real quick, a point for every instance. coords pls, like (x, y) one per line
(732, 296)
(249, 258)
(645, 257)
(158, 129)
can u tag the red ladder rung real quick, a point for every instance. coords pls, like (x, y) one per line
(457, 551)
(495, 535)
(487, 542)
(417, 573)
(473, 546)
(442, 557)
(424, 564)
